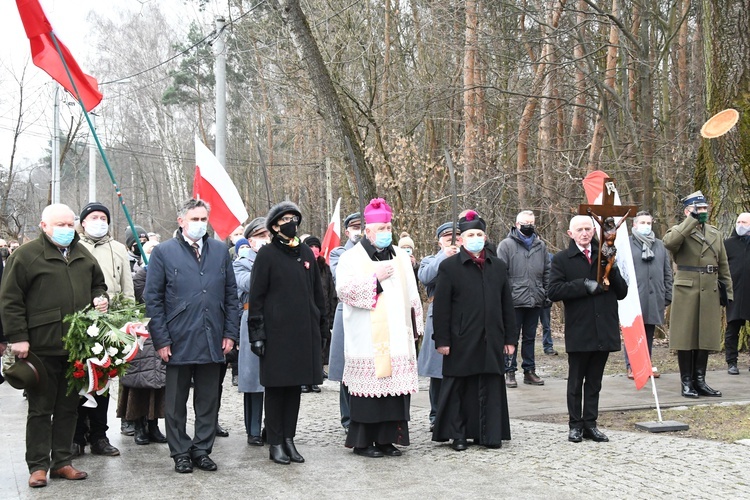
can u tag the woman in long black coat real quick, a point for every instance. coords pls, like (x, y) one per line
(474, 327)
(284, 323)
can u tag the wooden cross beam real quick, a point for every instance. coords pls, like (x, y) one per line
(601, 213)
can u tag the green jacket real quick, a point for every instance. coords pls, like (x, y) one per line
(40, 288)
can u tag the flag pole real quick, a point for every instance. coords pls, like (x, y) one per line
(101, 150)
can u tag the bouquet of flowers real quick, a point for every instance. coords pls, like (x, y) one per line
(101, 345)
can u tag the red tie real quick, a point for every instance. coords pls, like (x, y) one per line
(587, 253)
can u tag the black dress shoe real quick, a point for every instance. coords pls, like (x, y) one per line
(254, 441)
(102, 447)
(292, 452)
(221, 431)
(595, 435)
(389, 450)
(183, 465)
(369, 452)
(278, 455)
(575, 435)
(306, 388)
(460, 444)
(315, 388)
(127, 427)
(203, 462)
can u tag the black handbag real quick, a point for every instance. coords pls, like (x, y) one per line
(723, 299)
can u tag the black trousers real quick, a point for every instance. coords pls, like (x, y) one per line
(205, 404)
(585, 371)
(282, 412)
(92, 422)
(732, 339)
(435, 384)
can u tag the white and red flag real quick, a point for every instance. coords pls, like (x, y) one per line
(332, 238)
(631, 316)
(213, 185)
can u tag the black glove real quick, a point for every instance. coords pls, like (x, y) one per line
(547, 303)
(258, 347)
(592, 286)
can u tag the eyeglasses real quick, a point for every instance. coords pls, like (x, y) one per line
(289, 218)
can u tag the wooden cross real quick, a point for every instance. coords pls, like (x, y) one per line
(600, 213)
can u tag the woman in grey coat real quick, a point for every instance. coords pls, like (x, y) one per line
(249, 363)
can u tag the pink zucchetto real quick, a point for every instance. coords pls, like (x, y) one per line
(378, 212)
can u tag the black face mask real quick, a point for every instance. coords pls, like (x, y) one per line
(4, 253)
(527, 229)
(136, 250)
(289, 229)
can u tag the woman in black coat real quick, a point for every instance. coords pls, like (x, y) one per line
(474, 327)
(284, 323)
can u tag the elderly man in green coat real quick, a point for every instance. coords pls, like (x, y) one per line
(698, 250)
(45, 280)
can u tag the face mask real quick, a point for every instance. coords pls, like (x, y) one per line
(527, 229)
(257, 244)
(243, 253)
(97, 228)
(196, 230)
(644, 229)
(742, 230)
(407, 250)
(703, 217)
(289, 229)
(316, 251)
(63, 236)
(4, 253)
(474, 244)
(383, 239)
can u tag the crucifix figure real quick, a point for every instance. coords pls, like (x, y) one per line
(605, 215)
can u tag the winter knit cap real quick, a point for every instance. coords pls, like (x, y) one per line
(240, 242)
(471, 220)
(378, 212)
(312, 241)
(254, 226)
(405, 241)
(94, 206)
(278, 211)
(130, 239)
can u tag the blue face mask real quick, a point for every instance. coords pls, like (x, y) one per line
(243, 253)
(474, 244)
(196, 230)
(383, 239)
(63, 236)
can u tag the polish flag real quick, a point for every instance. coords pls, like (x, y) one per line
(631, 316)
(332, 238)
(45, 55)
(213, 185)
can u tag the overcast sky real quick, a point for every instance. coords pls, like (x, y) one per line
(69, 20)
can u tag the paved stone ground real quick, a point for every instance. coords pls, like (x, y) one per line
(538, 463)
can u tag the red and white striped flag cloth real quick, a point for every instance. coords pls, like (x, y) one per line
(332, 238)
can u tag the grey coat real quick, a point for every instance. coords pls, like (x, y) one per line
(248, 363)
(336, 357)
(654, 281)
(430, 362)
(528, 269)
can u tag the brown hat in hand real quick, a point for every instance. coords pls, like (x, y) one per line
(27, 373)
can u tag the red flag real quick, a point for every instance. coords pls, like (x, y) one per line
(631, 316)
(213, 185)
(45, 56)
(332, 238)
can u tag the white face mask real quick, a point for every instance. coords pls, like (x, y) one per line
(742, 230)
(196, 230)
(257, 244)
(96, 228)
(643, 228)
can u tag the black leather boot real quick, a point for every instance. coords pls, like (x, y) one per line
(700, 361)
(277, 454)
(291, 450)
(141, 433)
(154, 434)
(685, 361)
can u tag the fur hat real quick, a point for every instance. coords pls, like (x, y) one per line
(378, 212)
(279, 210)
(405, 241)
(312, 241)
(94, 206)
(240, 242)
(471, 220)
(254, 225)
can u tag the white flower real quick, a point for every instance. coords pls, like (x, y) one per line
(118, 362)
(97, 349)
(112, 351)
(93, 331)
(126, 350)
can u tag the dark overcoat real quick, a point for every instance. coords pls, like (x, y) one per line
(192, 305)
(654, 279)
(592, 322)
(738, 255)
(473, 314)
(286, 307)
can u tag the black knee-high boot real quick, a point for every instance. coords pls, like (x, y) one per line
(700, 362)
(685, 361)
